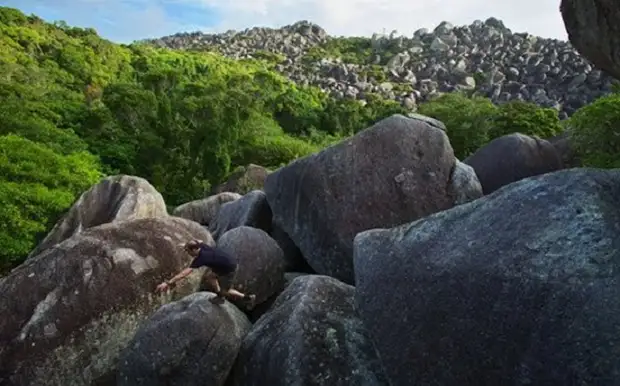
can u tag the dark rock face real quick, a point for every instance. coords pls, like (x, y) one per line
(190, 342)
(511, 158)
(250, 210)
(290, 276)
(593, 28)
(564, 148)
(518, 287)
(261, 262)
(67, 312)
(394, 172)
(311, 336)
(292, 255)
(115, 198)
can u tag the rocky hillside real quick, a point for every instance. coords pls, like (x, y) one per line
(485, 57)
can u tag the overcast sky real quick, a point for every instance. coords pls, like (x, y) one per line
(128, 20)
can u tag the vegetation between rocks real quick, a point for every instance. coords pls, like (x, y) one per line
(75, 107)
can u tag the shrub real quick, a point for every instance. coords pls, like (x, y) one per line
(471, 122)
(595, 132)
(275, 151)
(525, 118)
(468, 120)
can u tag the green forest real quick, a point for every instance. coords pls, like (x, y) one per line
(75, 107)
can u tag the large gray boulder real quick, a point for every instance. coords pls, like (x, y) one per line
(115, 198)
(311, 336)
(394, 172)
(593, 28)
(190, 342)
(205, 211)
(67, 312)
(250, 210)
(519, 287)
(511, 158)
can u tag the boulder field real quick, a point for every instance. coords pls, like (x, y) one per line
(381, 260)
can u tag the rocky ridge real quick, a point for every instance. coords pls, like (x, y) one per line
(485, 57)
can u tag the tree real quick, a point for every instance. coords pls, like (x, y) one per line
(36, 186)
(469, 121)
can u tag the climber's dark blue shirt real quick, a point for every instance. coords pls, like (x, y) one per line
(219, 261)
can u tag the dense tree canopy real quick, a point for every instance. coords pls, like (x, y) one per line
(37, 184)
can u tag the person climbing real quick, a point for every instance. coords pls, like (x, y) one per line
(222, 271)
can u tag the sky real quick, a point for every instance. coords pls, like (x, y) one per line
(124, 21)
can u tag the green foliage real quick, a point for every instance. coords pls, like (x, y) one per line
(12, 16)
(594, 132)
(36, 186)
(374, 73)
(276, 151)
(298, 112)
(346, 117)
(526, 118)
(469, 121)
(269, 57)
(356, 50)
(265, 143)
(473, 121)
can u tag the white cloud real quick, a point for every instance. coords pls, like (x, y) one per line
(137, 19)
(363, 17)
